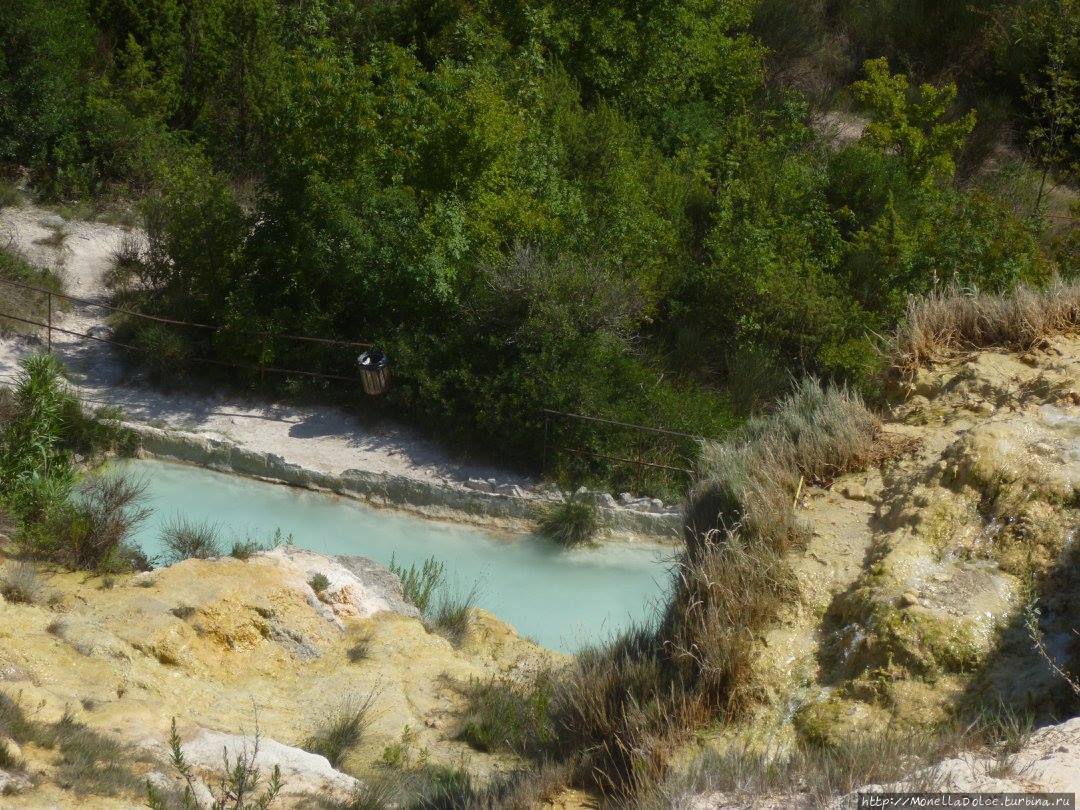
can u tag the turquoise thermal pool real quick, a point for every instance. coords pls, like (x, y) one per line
(561, 599)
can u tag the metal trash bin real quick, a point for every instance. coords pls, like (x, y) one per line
(374, 371)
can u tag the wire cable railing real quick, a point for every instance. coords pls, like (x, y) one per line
(548, 414)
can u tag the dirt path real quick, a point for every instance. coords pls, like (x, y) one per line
(325, 439)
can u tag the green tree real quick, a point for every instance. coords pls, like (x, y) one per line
(912, 123)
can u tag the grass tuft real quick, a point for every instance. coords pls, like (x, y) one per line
(184, 539)
(360, 650)
(22, 585)
(573, 522)
(245, 549)
(505, 715)
(418, 585)
(319, 583)
(343, 730)
(453, 612)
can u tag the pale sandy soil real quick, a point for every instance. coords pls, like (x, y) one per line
(326, 439)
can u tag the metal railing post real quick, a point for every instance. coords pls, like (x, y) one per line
(49, 339)
(543, 459)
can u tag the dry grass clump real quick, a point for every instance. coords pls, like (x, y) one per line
(954, 320)
(750, 480)
(734, 585)
(21, 585)
(87, 762)
(811, 775)
(618, 711)
(343, 730)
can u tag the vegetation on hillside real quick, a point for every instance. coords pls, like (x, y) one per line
(59, 515)
(619, 209)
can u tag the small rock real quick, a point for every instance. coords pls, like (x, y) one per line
(302, 772)
(582, 490)
(656, 504)
(625, 498)
(11, 783)
(605, 500)
(908, 598)
(853, 491)
(479, 484)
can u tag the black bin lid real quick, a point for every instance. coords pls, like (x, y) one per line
(373, 360)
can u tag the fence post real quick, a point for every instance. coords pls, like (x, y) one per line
(49, 296)
(543, 459)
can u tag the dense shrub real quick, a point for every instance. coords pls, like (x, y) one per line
(543, 206)
(92, 529)
(80, 525)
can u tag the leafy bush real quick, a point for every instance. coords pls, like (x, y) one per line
(92, 531)
(35, 466)
(165, 354)
(83, 527)
(572, 522)
(184, 539)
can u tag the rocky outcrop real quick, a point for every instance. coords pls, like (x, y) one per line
(477, 500)
(916, 584)
(304, 775)
(228, 647)
(1048, 762)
